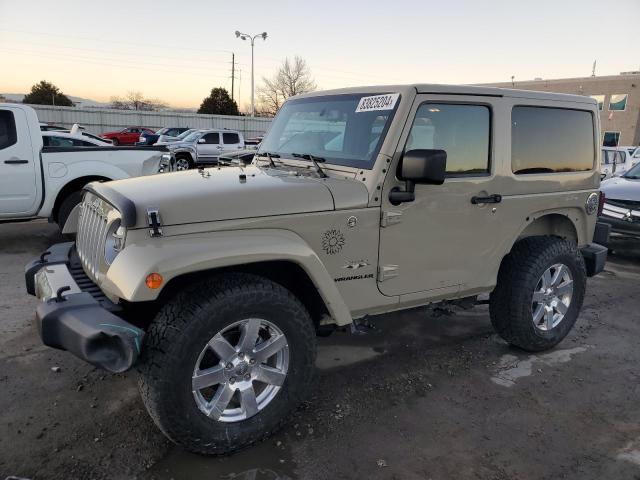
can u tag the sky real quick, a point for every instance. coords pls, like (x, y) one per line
(179, 51)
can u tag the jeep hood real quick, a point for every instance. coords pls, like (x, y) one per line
(620, 188)
(227, 193)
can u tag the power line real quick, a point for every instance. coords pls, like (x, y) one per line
(120, 65)
(95, 50)
(164, 47)
(110, 61)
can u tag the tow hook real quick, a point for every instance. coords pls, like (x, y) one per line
(59, 298)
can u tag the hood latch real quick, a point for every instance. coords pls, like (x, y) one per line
(155, 222)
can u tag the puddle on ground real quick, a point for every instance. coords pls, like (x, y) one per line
(630, 453)
(264, 461)
(511, 368)
(330, 356)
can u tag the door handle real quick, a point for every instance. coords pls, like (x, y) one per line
(495, 198)
(15, 162)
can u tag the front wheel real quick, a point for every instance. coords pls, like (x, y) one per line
(183, 163)
(540, 289)
(225, 363)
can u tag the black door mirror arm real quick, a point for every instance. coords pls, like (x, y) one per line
(398, 196)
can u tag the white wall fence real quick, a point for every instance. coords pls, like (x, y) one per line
(100, 120)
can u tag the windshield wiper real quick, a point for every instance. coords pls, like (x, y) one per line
(316, 162)
(270, 156)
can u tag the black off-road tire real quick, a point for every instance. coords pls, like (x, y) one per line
(179, 333)
(67, 206)
(510, 302)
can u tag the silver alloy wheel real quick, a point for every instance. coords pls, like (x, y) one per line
(240, 370)
(552, 297)
(182, 164)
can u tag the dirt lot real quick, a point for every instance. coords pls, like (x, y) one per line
(429, 394)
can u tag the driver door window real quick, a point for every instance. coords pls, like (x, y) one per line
(463, 131)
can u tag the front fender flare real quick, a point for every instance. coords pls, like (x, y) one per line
(179, 255)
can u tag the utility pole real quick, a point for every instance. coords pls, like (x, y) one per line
(233, 72)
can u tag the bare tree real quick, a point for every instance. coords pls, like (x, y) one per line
(292, 78)
(134, 100)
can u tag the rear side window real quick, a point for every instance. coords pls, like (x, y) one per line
(463, 131)
(551, 140)
(8, 134)
(230, 138)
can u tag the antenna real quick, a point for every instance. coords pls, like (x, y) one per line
(593, 70)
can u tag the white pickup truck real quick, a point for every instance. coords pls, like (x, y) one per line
(44, 181)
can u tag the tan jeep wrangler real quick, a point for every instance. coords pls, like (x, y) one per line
(215, 282)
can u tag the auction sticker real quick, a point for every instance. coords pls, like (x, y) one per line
(378, 102)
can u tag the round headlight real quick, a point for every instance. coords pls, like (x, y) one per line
(114, 243)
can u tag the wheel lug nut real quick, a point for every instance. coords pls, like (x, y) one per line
(232, 380)
(229, 366)
(252, 361)
(241, 355)
(247, 377)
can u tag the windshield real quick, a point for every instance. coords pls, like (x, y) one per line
(634, 172)
(343, 129)
(184, 134)
(192, 137)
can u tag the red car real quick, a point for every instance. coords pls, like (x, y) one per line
(127, 136)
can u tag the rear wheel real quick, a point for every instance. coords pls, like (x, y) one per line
(115, 141)
(539, 293)
(66, 206)
(225, 363)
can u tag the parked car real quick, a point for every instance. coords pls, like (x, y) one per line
(621, 207)
(60, 138)
(254, 140)
(162, 135)
(166, 140)
(42, 173)
(238, 268)
(203, 147)
(241, 158)
(50, 126)
(617, 160)
(126, 136)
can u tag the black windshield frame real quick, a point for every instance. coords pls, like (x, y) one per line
(362, 163)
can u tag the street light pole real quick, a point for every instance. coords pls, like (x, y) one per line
(252, 39)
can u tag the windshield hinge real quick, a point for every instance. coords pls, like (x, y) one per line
(385, 272)
(390, 218)
(155, 222)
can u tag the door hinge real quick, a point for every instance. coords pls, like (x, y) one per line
(390, 218)
(385, 272)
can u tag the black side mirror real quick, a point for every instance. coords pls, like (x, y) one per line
(419, 166)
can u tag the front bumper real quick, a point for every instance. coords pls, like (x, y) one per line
(627, 228)
(74, 314)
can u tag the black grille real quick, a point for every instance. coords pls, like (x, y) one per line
(87, 285)
(630, 204)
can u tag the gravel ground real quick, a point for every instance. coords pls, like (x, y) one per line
(429, 394)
